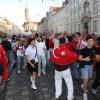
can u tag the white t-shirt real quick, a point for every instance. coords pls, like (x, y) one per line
(14, 46)
(56, 43)
(31, 52)
(20, 50)
(40, 48)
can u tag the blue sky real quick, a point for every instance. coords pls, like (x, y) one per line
(13, 10)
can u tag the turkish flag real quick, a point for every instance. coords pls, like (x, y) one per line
(63, 56)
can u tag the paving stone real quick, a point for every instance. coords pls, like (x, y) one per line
(9, 93)
(18, 88)
(44, 89)
(9, 98)
(25, 93)
(47, 95)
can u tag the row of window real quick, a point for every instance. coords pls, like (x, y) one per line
(77, 12)
(78, 27)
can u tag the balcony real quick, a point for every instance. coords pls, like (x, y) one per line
(85, 19)
(86, 15)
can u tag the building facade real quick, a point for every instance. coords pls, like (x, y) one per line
(7, 27)
(74, 16)
(84, 16)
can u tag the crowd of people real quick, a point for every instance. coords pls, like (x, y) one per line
(75, 56)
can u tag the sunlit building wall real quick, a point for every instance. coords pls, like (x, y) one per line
(42, 26)
(84, 16)
(75, 16)
(5, 25)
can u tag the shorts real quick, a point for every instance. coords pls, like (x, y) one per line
(1, 69)
(31, 69)
(87, 71)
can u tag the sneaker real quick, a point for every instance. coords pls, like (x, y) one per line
(33, 86)
(39, 74)
(24, 67)
(56, 98)
(82, 86)
(31, 78)
(44, 73)
(19, 72)
(85, 96)
(94, 91)
(9, 79)
(71, 98)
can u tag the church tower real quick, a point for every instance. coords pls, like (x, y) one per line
(28, 25)
(27, 15)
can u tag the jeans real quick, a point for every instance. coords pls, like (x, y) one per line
(41, 63)
(10, 57)
(87, 71)
(20, 62)
(74, 70)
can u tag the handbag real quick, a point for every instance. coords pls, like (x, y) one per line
(35, 60)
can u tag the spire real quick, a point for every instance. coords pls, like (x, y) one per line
(27, 13)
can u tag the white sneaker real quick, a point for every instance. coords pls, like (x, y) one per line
(94, 91)
(33, 86)
(82, 86)
(23, 67)
(19, 72)
(57, 97)
(31, 78)
(85, 96)
(44, 73)
(39, 74)
(71, 98)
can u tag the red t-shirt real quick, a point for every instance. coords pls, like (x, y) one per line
(51, 43)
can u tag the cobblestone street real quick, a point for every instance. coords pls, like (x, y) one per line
(18, 88)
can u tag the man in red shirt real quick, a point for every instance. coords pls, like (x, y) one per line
(62, 57)
(3, 67)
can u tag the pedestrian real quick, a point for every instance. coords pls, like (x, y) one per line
(6, 43)
(97, 78)
(3, 66)
(62, 57)
(20, 56)
(86, 63)
(32, 61)
(41, 52)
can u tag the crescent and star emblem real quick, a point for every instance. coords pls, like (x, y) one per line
(63, 53)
